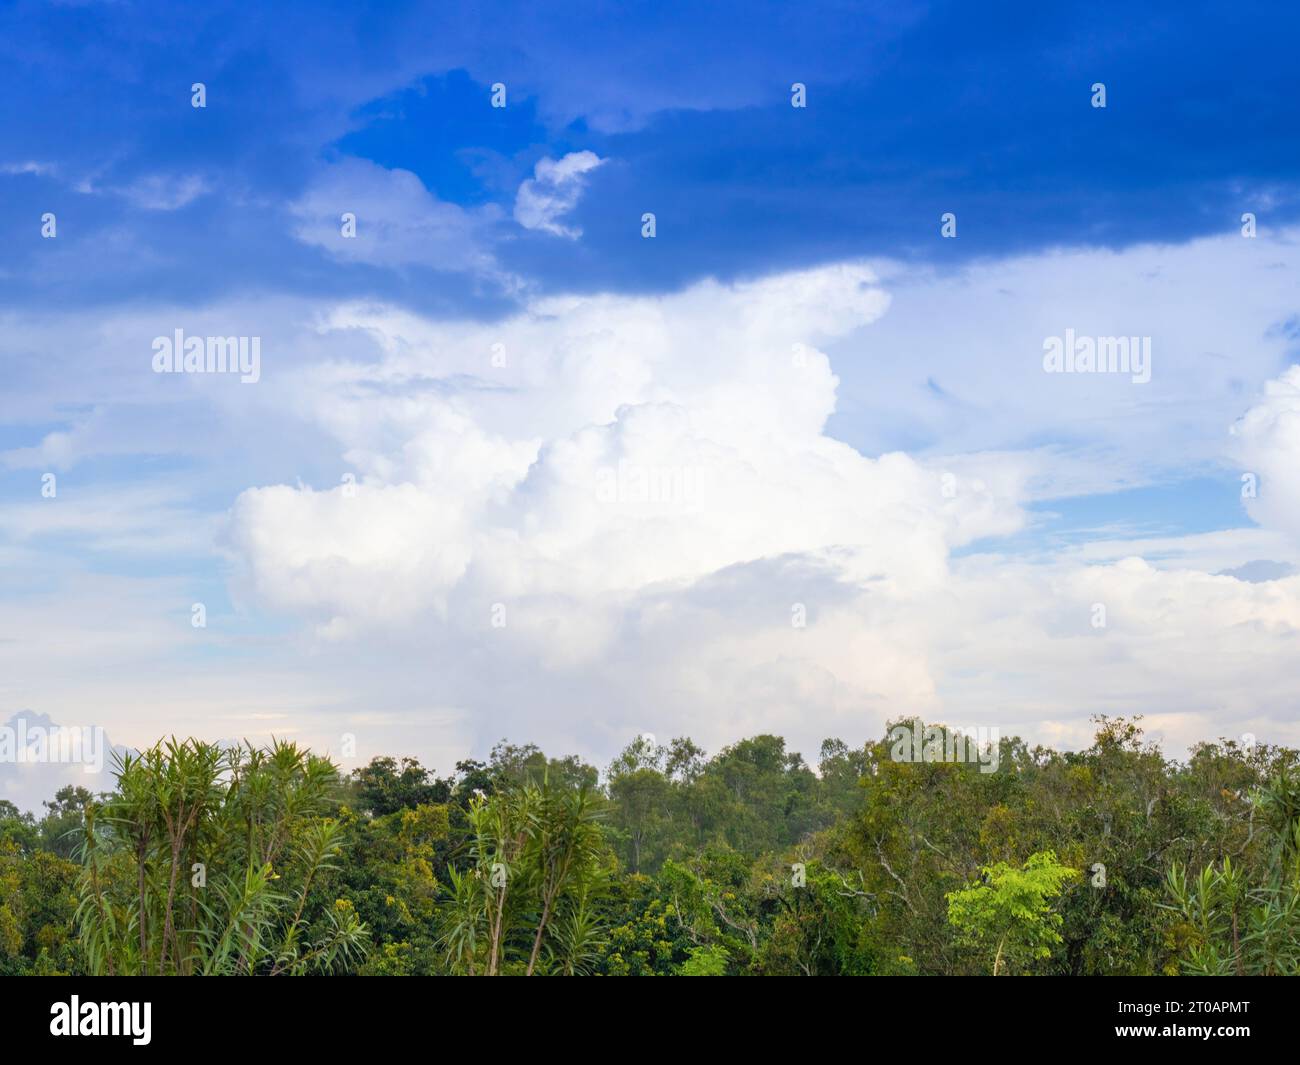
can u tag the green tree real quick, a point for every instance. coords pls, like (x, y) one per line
(639, 793)
(1010, 913)
(1228, 925)
(203, 860)
(385, 786)
(61, 827)
(37, 902)
(535, 861)
(709, 960)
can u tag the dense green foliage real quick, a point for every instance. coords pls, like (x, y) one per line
(1108, 860)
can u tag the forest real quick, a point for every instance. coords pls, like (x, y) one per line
(266, 860)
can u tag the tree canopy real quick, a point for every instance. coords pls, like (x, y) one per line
(207, 859)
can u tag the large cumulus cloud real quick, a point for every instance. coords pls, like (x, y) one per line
(613, 514)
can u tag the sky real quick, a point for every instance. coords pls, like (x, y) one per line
(647, 368)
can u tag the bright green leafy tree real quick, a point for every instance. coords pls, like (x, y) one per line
(1010, 913)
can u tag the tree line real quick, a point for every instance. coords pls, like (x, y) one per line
(268, 861)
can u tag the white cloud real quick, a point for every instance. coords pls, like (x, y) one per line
(635, 441)
(647, 487)
(554, 191)
(956, 365)
(399, 222)
(30, 167)
(1267, 442)
(165, 192)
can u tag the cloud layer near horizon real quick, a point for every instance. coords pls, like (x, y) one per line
(641, 494)
(607, 514)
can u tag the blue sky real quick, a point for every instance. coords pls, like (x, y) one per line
(914, 111)
(500, 335)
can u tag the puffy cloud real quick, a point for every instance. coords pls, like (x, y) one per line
(656, 490)
(553, 191)
(1267, 439)
(398, 221)
(41, 756)
(645, 487)
(642, 493)
(628, 442)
